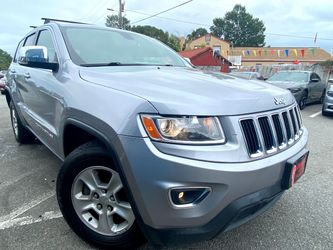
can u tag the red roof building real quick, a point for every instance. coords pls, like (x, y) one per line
(205, 57)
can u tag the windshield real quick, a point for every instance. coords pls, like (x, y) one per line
(101, 47)
(289, 77)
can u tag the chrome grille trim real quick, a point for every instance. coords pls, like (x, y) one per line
(268, 130)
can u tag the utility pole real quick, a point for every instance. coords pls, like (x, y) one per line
(121, 9)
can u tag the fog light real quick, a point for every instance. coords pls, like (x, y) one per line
(188, 196)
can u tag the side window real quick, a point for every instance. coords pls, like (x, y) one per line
(45, 39)
(17, 51)
(30, 40)
(317, 76)
(314, 76)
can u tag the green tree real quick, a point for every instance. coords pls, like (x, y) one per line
(240, 28)
(5, 60)
(174, 43)
(170, 40)
(197, 33)
(113, 22)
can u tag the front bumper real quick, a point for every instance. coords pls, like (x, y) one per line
(328, 104)
(235, 187)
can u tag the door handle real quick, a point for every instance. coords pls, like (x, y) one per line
(12, 71)
(27, 75)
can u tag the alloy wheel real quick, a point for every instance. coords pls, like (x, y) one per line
(100, 201)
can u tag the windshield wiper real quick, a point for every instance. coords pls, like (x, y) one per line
(113, 64)
(101, 64)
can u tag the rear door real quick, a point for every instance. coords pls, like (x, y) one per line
(18, 77)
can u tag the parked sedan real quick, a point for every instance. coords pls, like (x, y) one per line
(306, 86)
(247, 75)
(328, 100)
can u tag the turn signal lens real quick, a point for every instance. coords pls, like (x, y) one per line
(151, 128)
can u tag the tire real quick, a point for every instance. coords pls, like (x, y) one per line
(22, 135)
(91, 165)
(303, 101)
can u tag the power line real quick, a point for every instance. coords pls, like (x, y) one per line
(169, 18)
(302, 37)
(163, 11)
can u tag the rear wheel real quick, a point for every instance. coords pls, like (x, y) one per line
(93, 201)
(22, 135)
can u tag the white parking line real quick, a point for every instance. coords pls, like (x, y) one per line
(315, 114)
(27, 220)
(25, 207)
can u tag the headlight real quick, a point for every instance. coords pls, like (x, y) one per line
(295, 90)
(184, 130)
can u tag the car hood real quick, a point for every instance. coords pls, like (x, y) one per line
(286, 84)
(187, 91)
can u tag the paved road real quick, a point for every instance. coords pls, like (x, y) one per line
(30, 218)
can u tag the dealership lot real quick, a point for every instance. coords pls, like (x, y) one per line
(30, 218)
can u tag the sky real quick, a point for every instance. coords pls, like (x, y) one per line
(302, 18)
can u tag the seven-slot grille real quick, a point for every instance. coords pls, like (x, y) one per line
(268, 133)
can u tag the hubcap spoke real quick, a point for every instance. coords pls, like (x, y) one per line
(104, 224)
(83, 202)
(89, 178)
(124, 210)
(115, 183)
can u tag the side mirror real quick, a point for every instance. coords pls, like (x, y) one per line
(36, 57)
(187, 60)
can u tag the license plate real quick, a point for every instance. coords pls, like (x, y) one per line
(294, 169)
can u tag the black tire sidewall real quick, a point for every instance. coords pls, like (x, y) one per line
(17, 136)
(73, 165)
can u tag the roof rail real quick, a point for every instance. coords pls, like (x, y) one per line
(49, 20)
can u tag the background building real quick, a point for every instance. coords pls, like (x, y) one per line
(206, 58)
(257, 56)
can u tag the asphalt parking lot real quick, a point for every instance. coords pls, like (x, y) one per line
(30, 218)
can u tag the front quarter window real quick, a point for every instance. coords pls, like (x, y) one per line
(107, 47)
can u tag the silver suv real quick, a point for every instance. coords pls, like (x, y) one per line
(151, 147)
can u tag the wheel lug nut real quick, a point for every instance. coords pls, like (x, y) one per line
(96, 196)
(112, 198)
(99, 206)
(103, 191)
(109, 208)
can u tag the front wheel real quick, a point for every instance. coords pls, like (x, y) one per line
(93, 201)
(303, 101)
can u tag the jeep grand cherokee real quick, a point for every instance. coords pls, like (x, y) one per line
(151, 147)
